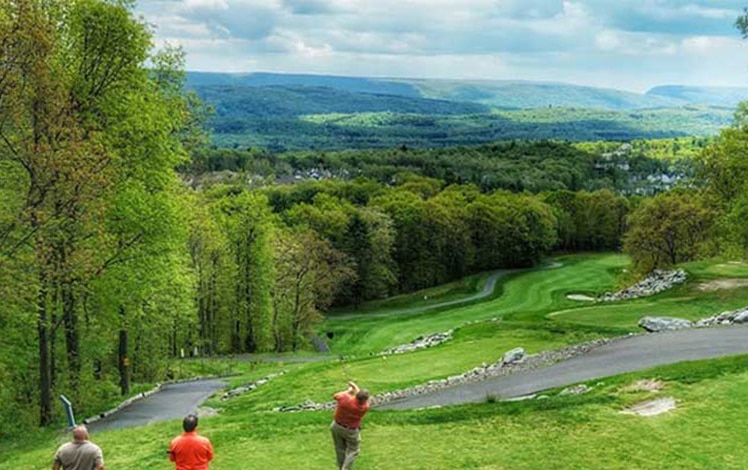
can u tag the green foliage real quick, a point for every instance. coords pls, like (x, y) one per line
(723, 171)
(94, 226)
(668, 229)
(327, 132)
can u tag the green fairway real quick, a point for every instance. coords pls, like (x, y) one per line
(523, 296)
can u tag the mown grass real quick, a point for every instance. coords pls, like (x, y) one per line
(526, 296)
(532, 312)
(566, 432)
(462, 288)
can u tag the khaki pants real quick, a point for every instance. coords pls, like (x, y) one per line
(347, 443)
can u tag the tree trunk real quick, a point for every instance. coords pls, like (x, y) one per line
(45, 384)
(72, 342)
(124, 360)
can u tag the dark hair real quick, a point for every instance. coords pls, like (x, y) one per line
(362, 396)
(189, 423)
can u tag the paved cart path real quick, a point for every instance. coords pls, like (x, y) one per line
(621, 356)
(173, 401)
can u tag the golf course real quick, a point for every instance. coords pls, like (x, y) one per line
(524, 308)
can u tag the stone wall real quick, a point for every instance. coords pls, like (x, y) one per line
(512, 361)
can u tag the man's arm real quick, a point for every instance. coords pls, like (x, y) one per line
(210, 450)
(56, 466)
(351, 390)
(99, 460)
(172, 454)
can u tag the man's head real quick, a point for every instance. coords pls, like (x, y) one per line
(80, 433)
(189, 423)
(362, 396)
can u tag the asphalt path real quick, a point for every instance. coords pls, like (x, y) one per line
(618, 357)
(173, 401)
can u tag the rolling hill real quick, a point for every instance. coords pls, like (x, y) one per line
(282, 112)
(506, 94)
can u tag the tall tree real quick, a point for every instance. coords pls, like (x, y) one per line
(668, 229)
(81, 116)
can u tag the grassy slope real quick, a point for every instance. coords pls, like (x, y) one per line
(570, 432)
(561, 432)
(525, 297)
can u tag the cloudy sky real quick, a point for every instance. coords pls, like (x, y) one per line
(629, 44)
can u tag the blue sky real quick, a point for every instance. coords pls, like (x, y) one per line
(628, 44)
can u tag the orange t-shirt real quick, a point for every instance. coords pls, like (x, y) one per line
(191, 452)
(349, 411)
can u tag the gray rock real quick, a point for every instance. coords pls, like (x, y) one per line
(515, 355)
(741, 317)
(420, 343)
(575, 390)
(658, 324)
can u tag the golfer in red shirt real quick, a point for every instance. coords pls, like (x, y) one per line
(346, 427)
(190, 451)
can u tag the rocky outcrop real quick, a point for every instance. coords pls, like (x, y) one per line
(512, 361)
(250, 386)
(732, 317)
(658, 281)
(422, 342)
(658, 324)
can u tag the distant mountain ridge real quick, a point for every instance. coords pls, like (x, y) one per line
(299, 100)
(713, 96)
(505, 94)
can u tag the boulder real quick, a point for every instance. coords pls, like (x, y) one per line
(658, 324)
(515, 355)
(741, 317)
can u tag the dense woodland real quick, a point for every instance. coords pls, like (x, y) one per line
(280, 133)
(532, 166)
(111, 266)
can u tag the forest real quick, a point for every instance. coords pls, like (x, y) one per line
(111, 266)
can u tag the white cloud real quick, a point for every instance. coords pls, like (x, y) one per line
(578, 40)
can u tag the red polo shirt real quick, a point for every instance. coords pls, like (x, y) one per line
(349, 411)
(191, 452)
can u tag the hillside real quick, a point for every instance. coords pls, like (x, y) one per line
(507, 94)
(196, 80)
(338, 131)
(282, 112)
(726, 96)
(526, 95)
(297, 100)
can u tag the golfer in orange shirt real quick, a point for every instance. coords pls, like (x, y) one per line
(353, 404)
(190, 451)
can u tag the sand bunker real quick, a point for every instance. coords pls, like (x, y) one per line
(580, 297)
(722, 284)
(651, 407)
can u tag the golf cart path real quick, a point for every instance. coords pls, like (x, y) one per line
(173, 401)
(487, 290)
(618, 357)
